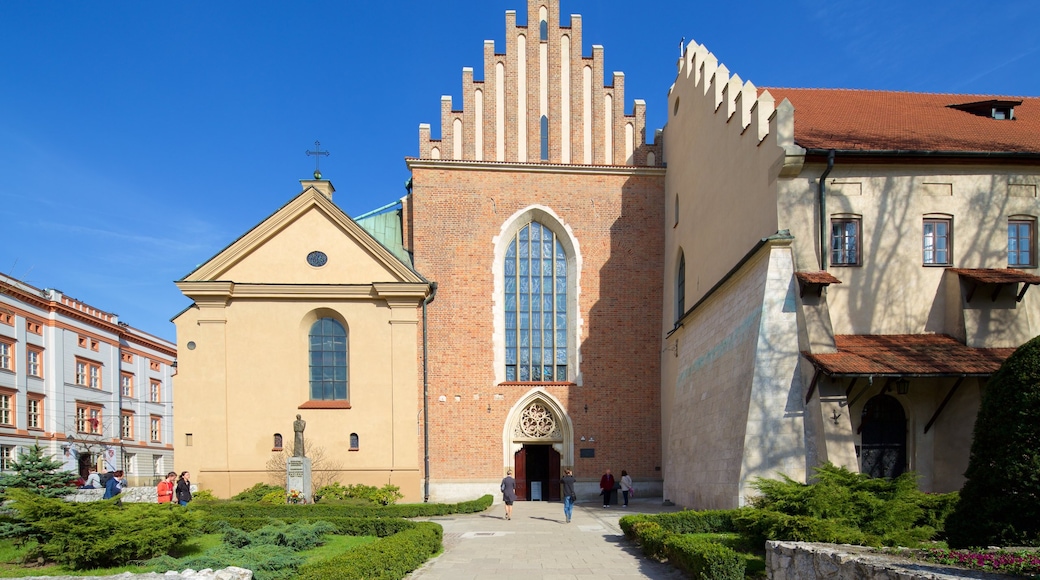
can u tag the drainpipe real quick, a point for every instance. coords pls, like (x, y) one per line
(823, 209)
(426, 396)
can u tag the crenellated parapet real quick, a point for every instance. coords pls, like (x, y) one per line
(750, 111)
(542, 101)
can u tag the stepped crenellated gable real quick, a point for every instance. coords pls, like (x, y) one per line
(752, 112)
(542, 101)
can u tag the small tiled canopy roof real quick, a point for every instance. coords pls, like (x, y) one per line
(907, 354)
(817, 277)
(865, 120)
(996, 275)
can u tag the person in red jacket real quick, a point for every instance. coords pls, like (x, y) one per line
(165, 488)
(606, 487)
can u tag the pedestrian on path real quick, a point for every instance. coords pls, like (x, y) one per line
(568, 494)
(626, 485)
(508, 488)
(606, 487)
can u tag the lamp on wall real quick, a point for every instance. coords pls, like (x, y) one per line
(903, 386)
(835, 416)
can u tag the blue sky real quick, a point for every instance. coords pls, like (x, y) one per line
(138, 139)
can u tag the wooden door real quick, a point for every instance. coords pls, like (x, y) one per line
(520, 473)
(554, 475)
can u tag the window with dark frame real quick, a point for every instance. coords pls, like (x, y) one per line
(1021, 240)
(328, 361)
(845, 241)
(936, 242)
(680, 288)
(535, 271)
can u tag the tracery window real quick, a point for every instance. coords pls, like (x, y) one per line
(328, 361)
(535, 306)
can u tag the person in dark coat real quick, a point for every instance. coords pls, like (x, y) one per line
(606, 487)
(508, 488)
(183, 490)
(568, 493)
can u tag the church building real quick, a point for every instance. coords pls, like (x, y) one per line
(768, 283)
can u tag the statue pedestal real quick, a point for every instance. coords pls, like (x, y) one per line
(298, 477)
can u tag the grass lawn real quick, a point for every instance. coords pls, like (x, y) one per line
(11, 556)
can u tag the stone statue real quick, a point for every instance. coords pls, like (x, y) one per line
(298, 426)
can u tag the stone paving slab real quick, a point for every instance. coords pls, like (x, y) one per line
(538, 543)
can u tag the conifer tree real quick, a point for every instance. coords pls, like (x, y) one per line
(1000, 501)
(38, 473)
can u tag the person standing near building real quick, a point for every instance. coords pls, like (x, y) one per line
(606, 487)
(508, 488)
(568, 493)
(626, 486)
(183, 489)
(165, 488)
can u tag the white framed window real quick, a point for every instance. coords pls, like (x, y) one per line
(845, 241)
(7, 409)
(155, 392)
(155, 429)
(130, 463)
(88, 373)
(1022, 242)
(34, 362)
(6, 355)
(126, 425)
(126, 384)
(936, 243)
(6, 457)
(34, 413)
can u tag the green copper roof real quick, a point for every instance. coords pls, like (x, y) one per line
(385, 226)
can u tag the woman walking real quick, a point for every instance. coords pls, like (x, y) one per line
(184, 488)
(568, 493)
(508, 488)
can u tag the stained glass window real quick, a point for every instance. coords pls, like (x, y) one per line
(536, 306)
(328, 361)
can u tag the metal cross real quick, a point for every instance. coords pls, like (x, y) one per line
(317, 153)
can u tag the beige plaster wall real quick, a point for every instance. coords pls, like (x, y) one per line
(892, 292)
(246, 377)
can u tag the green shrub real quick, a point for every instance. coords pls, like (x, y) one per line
(389, 558)
(268, 562)
(102, 534)
(274, 497)
(37, 473)
(343, 526)
(841, 506)
(256, 493)
(697, 522)
(386, 495)
(204, 495)
(703, 559)
(650, 536)
(1000, 501)
(231, 510)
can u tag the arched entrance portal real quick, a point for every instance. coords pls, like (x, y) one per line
(883, 431)
(535, 449)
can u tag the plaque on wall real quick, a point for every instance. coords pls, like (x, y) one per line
(589, 452)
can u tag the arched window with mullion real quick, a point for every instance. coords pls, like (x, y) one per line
(535, 306)
(328, 361)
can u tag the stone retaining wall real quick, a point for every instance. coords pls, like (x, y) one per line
(129, 495)
(805, 561)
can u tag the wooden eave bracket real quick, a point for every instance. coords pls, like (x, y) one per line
(942, 405)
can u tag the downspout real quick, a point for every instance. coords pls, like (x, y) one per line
(823, 209)
(426, 396)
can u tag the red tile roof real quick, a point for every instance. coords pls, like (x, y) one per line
(907, 354)
(864, 120)
(817, 277)
(996, 275)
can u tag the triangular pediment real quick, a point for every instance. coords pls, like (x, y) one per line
(276, 250)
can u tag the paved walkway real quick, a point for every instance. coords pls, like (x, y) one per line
(537, 543)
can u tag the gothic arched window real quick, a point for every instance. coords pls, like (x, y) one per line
(535, 306)
(328, 361)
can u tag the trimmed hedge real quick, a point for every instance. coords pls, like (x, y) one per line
(703, 559)
(345, 526)
(389, 558)
(238, 510)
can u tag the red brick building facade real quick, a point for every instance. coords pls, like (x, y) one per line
(579, 199)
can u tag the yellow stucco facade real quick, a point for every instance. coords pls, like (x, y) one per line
(244, 358)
